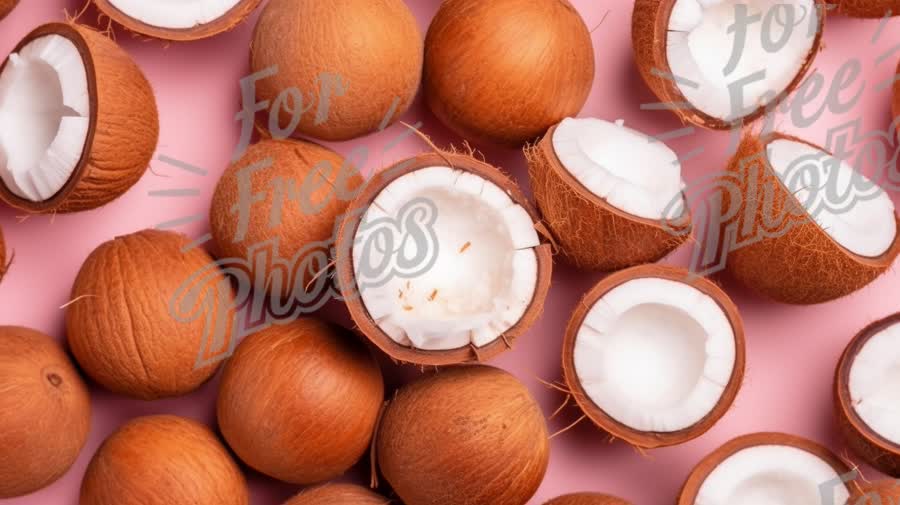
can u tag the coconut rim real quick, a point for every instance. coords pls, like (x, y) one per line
(230, 19)
(651, 439)
(347, 277)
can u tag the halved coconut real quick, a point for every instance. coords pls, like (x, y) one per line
(6, 6)
(654, 355)
(78, 121)
(688, 54)
(808, 228)
(868, 8)
(465, 273)
(179, 20)
(611, 196)
(768, 468)
(867, 394)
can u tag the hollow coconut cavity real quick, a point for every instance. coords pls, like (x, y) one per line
(691, 56)
(611, 196)
(178, 19)
(654, 355)
(468, 272)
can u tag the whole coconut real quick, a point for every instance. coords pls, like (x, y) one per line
(467, 434)
(505, 71)
(45, 411)
(352, 63)
(163, 460)
(338, 494)
(868, 8)
(299, 402)
(121, 327)
(587, 499)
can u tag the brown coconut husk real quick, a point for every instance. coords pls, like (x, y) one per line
(6, 6)
(883, 492)
(231, 19)
(587, 499)
(868, 8)
(338, 494)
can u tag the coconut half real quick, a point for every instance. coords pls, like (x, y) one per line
(798, 201)
(78, 121)
(481, 274)
(868, 8)
(611, 196)
(689, 56)
(768, 468)
(179, 20)
(654, 355)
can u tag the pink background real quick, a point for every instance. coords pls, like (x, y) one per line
(792, 351)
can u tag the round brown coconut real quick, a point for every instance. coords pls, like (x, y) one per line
(6, 6)
(770, 265)
(338, 494)
(163, 460)
(231, 19)
(587, 499)
(363, 75)
(299, 402)
(488, 82)
(120, 323)
(45, 411)
(637, 438)
(123, 130)
(883, 492)
(868, 8)
(468, 434)
(589, 232)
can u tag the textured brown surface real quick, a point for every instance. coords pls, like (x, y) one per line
(505, 71)
(644, 439)
(163, 460)
(590, 233)
(45, 411)
(884, 492)
(6, 6)
(338, 494)
(469, 434)
(374, 46)
(868, 8)
(227, 21)
(119, 323)
(299, 402)
(123, 131)
(587, 499)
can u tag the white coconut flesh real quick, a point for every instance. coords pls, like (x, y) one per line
(480, 272)
(772, 475)
(850, 208)
(44, 117)
(699, 49)
(174, 14)
(633, 172)
(655, 355)
(875, 383)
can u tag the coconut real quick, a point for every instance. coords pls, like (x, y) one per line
(465, 272)
(338, 494)
(687, 54)
(358, 61)
(120, 324)
(587, 499)
(45, 411)
(181, 20)
(654, 355)
(611, 196)
(468, 434)
(299, 401)
(798, 201)
(488, 82)
(78, 121)
(768, 468)
(162, 460)
(884, 492)
(6, 6)
(868, 8)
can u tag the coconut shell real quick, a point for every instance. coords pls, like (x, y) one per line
(868, 8)
(375, 48)
(468, 434)
(346, 275)
(45, 411)
(338, 494)
(587, 499)
(123, 131)
(884, 492)
(163, 460)
(120, 325)
(698, 476)
(299, 402)
(649, 37)
(590, 233)
(769, 265)
(644, 439)
(488, 82)
(231, 19)
(6, 6)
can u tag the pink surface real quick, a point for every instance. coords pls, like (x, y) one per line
(792, 351)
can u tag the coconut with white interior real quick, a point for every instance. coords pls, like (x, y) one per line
(440, 262)
(179, 20)
(721, 63)
(610, 195)
(770, 469)
(806, 227)
(654, 355)
(78, 121)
